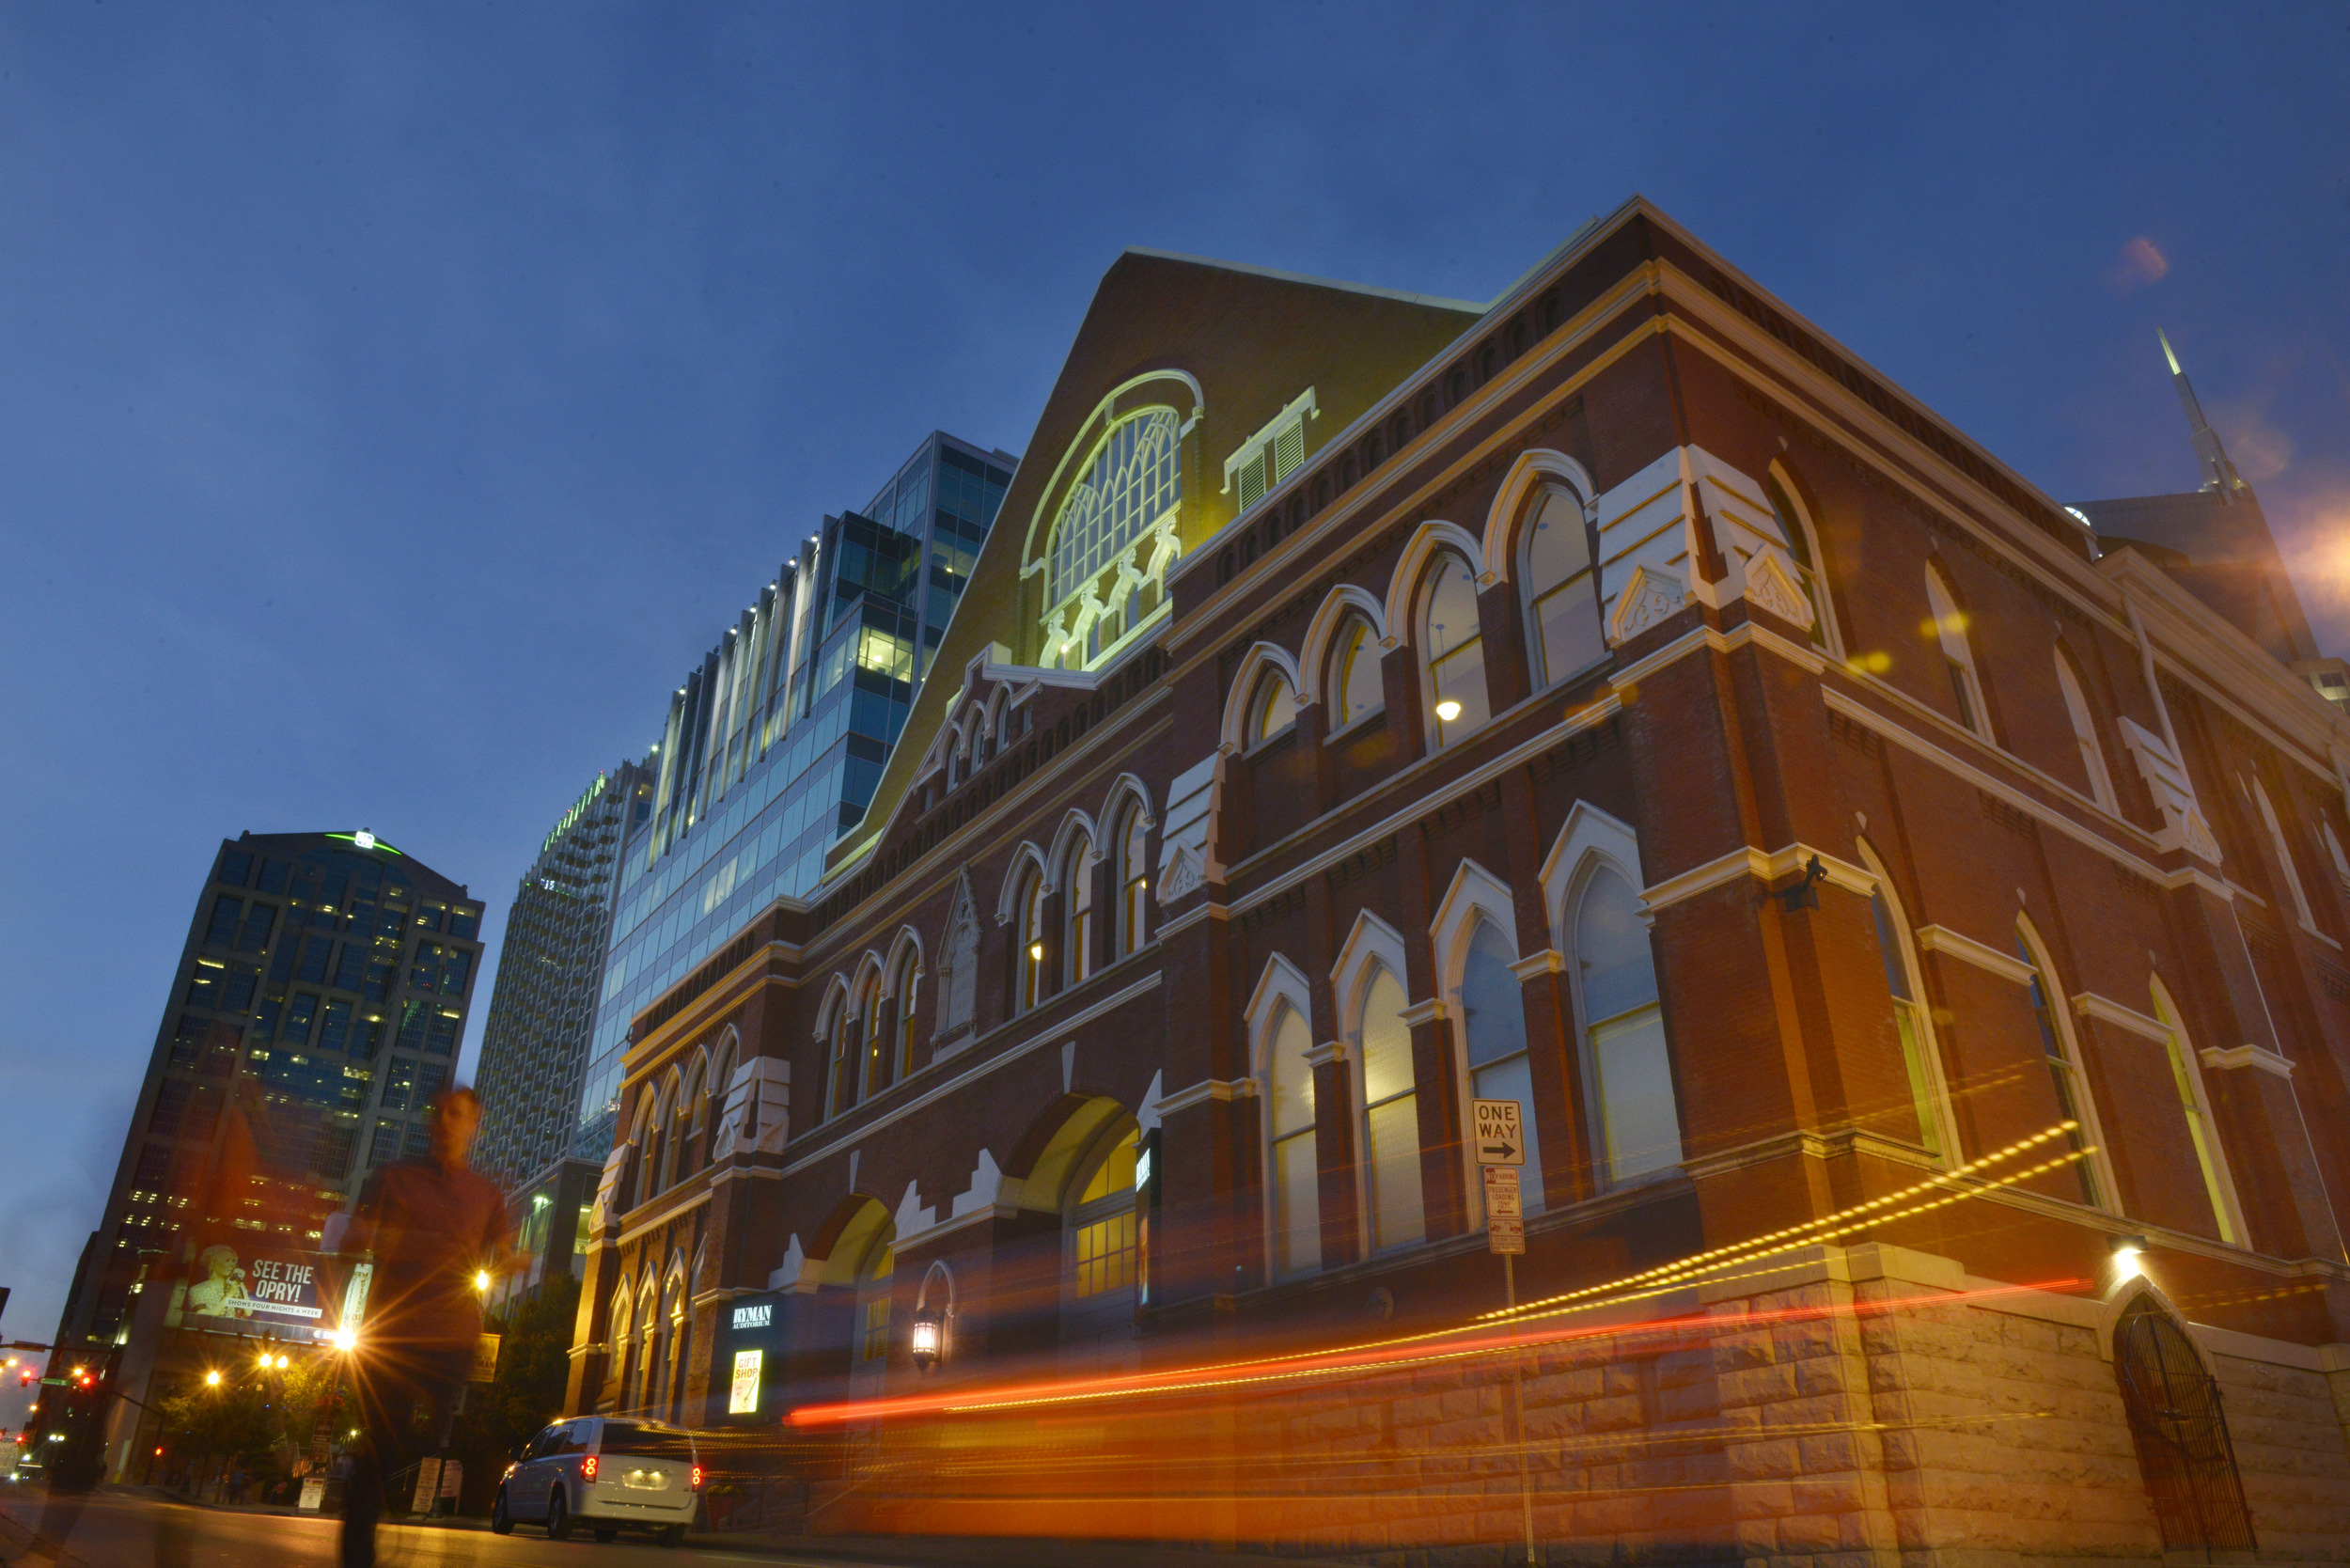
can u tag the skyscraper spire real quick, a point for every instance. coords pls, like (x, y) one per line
(2219, 473)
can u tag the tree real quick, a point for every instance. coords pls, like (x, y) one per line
(534, 1368)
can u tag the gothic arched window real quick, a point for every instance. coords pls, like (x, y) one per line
(1353, 680)
(1452, 650)
(1134, 878)
(1390, 1117)
(1624, 1033)
(1561, 596)
(1291, 1174)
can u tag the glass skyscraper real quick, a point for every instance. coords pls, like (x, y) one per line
(772, 745)
(317, 1005)
(550, 976)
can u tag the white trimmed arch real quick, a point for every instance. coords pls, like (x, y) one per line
(907, 937)
(1370, 946)
(1124, 788)
(1473, 892)
(1534, 467)
(1027, 855)
(1282, 984)
(829, 1011)
(1073, 826)
(1260, 658)
(1589, 836)
(1314, 658)
(1427, 541)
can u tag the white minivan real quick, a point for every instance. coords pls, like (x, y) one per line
(605, 1472)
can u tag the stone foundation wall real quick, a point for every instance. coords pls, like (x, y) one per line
(1851, 1408)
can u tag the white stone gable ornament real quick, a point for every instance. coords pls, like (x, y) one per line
(1771, 585)
(1649, 596)
(1183, 875)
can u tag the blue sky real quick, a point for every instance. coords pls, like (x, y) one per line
(394, 402)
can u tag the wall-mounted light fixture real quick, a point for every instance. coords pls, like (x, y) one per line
(924, 1339)
(2126, 1251)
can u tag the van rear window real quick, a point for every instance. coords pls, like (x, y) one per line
(646, 1442)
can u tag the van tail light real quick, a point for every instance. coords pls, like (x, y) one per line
(698, 1478)
(588, 1468)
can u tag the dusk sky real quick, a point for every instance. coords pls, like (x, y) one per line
(395, 402)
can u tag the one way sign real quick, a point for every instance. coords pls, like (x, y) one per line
(1499, 1140)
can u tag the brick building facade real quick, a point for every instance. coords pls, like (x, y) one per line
(1915, 936)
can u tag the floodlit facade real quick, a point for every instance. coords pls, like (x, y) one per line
(1912, 936)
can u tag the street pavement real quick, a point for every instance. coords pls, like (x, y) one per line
(128, 1531)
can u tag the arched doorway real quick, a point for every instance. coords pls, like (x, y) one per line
(2181, 1434)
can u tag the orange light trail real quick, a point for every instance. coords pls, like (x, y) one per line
(1359, 1359)
(1414, 1348)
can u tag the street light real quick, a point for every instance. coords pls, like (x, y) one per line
(211, 1379)
(481, 1281)
(346, 1340)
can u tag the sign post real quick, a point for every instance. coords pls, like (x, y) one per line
(1500, 1144)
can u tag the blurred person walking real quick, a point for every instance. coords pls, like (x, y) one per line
(436, 1228)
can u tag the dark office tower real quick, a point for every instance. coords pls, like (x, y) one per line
(316, 1010)
(772, 745)
(2215, 542)
(542, 1005)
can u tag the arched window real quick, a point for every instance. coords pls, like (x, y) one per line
(1562, 595)
(2333, 853)
(1028, 929)
(1076, 882)
(623, 1324)
(721, 1081)
(1102, 1224)
(656, 1150)
(648, 1344)
(1128, 484)
(644, 1140)
(1493, 1036)
(1453, 650)
(2084, 732)
(1794, 524)
(1291, 1174)
(1626, 1053)
(1353, 681)
(1272, 708)
(1910, 1025)
(1391, 1118)
(2209, 1156)
(698, 1128)
(1134, 879)
(901, 991)
(880, 1060)
(1949, 626)
(845, 1054)
(673, 1153)
(2283, 852)
(2064, 1073)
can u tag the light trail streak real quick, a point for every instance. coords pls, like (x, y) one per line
(1417, 1349)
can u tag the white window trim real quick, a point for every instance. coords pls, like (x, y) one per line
(1282, 988)
(1950, 629)
(1370, 947)
(1474, 893)
(2068, 1041)
(2085, 733)
(1929, 1041)
(2283, 852)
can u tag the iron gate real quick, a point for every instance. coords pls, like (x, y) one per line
(2180, 1433)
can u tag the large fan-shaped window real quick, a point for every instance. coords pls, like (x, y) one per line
(1130, 481)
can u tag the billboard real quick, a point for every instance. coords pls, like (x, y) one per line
(241, 1287)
